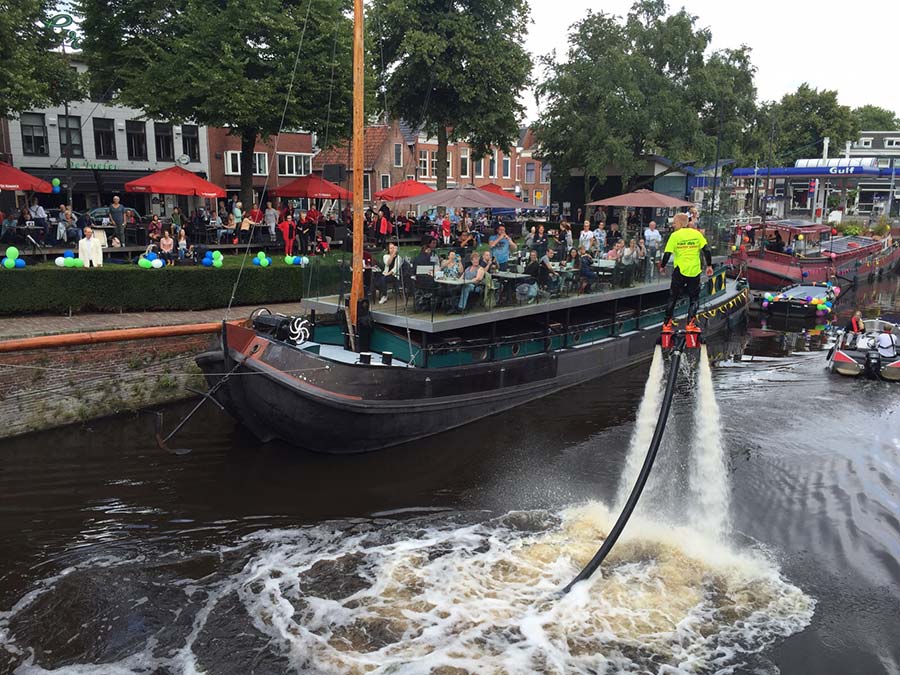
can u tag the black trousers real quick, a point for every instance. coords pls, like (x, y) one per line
(684, 285)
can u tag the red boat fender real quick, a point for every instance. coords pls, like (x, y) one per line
(692, 340)
(665, 340)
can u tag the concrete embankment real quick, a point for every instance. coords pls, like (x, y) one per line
(56, 371)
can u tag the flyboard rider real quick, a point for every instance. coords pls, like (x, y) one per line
(685, 245)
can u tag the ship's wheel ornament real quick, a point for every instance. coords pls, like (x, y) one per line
(299, 330)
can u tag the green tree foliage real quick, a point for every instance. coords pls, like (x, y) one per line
(874, 118)
(455, 68)
(228, 63)
(32, 73)
(803, 120)
(645, 85)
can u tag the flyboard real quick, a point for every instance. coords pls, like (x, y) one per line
(675, 345)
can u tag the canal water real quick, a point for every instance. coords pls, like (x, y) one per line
(445, 556)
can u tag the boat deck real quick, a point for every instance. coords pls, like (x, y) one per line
(395, 313)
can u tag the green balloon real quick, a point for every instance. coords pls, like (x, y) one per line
(9, 263)
(78, 262)
(263, 262)
(12, 253)
(288, 260)
(261, 255)
(70, 262)
(144, 263)
(55, 182)
(217, 262)
(217, 255)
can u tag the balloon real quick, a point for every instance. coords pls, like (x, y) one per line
(55, 182)
(56, 189)
(69, 261)
(805, 274)
(68, 254)
(748, 227)
(208, 255)
(8, 263)
(288, 260)
(746, 240)
(77, 262)
(734, 248)
(837, 290)
(12, 252)
(261, 255)
(20, 263)
(298, 260)
(163, 262)
(217, 263)
(765, 304)
(305, 260)
(60, 262)
(144, 264)
(264, 262)
(768, 296)
(800, 237)
(157, 264)
(152, 256)
(809, 298)
(257, 262)
(217, 255)
(833, 256)
(833, 232)
(207, 262)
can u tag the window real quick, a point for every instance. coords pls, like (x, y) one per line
(423, 163)
(529, 172)
(104, 138)
(884, 164)
(293, 164)
(864, 143)
(398, 154)
(492, 166)
(385, 181)
(449, 165)
(409, 176)
(892, 142)
(545, 173)
(190, 141)
(260, 164)
(136, 139)
(506, 166)
(367, 191)
(34, 134)
(479, 168)
(434, 163)
(463, 162)
(165, 145)
(232, 163)
(525, 196)
(72, 123)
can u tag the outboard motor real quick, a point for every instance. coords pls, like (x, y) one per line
(872, 366)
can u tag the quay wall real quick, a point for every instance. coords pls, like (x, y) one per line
(58, 380)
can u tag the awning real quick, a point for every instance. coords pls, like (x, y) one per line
(175, 181)
(12, 178)
(806, 172)
(642, 199)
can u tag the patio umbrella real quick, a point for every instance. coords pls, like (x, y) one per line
(175, 181)
(497, 190)
(312, 187)
(465, 196)
(642, 198)
(12, 178)
(405, 190)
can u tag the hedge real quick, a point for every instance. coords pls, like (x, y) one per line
(128, 288)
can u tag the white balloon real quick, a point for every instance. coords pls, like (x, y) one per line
(60, 262)
(157, 264)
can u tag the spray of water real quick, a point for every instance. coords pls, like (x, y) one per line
(644, 427)
(709, 478)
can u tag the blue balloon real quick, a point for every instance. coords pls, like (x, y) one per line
(68, 254)
(256, 261)
(208, 255)
(206, 262)
(298, 259)
(20, 263)
(151, 256)
(56, 189)
(163, 262)
(805, 274)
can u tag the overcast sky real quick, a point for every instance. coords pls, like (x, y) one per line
(851, 47)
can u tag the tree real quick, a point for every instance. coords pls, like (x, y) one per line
(643, 86)
(228, 63)
(454, 68)
(873, 118)
(32, 73)
(803, 120)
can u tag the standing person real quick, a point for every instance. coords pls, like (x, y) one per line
(446, 230)
(303, 229)
(501, 246)
(586, 237)
(613, 236)
(117, 217)
(182, 245)
(686, 245)
(539, 243)
(653, 242)
(256, 215)
(89, 250)
(288, 229)
(384, 226)
(600, 237)
(39, 216)
(238, 212)
(270, 217)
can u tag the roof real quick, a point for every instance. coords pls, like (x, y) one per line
(374, 138)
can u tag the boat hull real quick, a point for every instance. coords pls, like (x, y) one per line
(281, 392)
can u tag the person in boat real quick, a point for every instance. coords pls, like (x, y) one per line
(502, 245)
(389, 273)
(600, 237)
(588, 275)
(424, 258)
(855, 324)
(548, 277)
(451, 266)
(586, 238)
(613, 237)
(686, 246)
(776, 244)
(887, 342)
(474, 276)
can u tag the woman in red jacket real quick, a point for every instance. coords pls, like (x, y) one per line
(288, 229)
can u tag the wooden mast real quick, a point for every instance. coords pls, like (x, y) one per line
(356, 289)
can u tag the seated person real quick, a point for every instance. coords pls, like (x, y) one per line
(474, 274)
(776, 244)
(588, 276)
(451, 266)
(389, 273)
(154, 229)
(528, 289)
(166, 247)
(424, 256)
(548, 277)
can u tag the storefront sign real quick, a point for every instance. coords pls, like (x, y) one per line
(62, 24)
(94, 166)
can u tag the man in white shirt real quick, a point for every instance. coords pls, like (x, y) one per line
(39, 216)
(89, 250)
(887, 343)
(586, 238)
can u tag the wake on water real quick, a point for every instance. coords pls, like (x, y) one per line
(449, 594)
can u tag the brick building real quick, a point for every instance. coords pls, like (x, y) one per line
(277, 161)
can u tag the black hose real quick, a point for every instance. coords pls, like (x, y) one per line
(638, 488)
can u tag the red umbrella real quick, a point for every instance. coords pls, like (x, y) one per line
(12, 178)
(312, 187)
(497, 190)
(642, 198)
(405, 190)
(175, 181)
